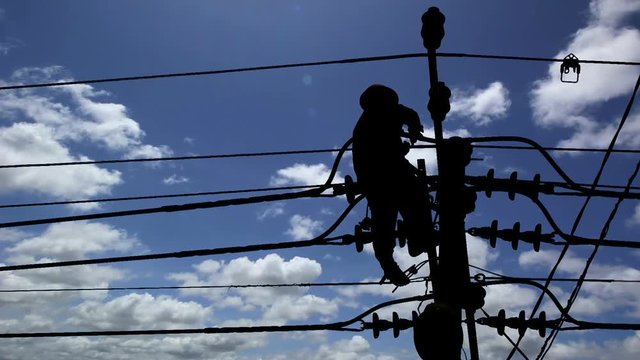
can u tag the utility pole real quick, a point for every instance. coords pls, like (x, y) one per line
(438, 330)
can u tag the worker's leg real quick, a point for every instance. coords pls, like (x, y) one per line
(383, 219)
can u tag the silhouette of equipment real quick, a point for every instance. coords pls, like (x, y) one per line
(390, 183)
(397, 324)
(437, 333)
(513, 235)
(438, 330)
(570, 63)
(520, 323)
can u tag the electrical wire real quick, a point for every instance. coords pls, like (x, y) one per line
(208, 287)
(574, 239)
(498, 276)
(508, 338)
(581, 325)
(557, 148)
(574, 294)
(303, 64)
(160, 196)
(316, 192)
(288, 152)
(530, 58)
(293, 187)
(550, 339)
(336, 326)
(173, 158)
(321, 239)
(482, 183)
(538, 147)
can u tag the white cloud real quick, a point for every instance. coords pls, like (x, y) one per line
(429, 154)
(12, 234)
(635, 218)
(34, 143)
(46, 122)
(72, 240)
(271, 269)
(303, 227)
(55, 278)
(556, 104)
(356, 348)
(626, 348)
(139, 311)
(303, 174)
(480, 253)
(185, 347)
(9, 44)
(61, 242)
(300, 308)
(613, 11)
(482, 106)
(600, 136)
(271, 211)
(175, 179)
(595, 298)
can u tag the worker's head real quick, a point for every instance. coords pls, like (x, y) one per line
(378, 97)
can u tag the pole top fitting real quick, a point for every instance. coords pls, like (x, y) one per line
(432, 28)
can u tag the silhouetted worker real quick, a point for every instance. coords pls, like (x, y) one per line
(387, 179)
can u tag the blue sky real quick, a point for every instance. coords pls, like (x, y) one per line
(301, 108)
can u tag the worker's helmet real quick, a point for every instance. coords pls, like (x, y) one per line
(378, 97)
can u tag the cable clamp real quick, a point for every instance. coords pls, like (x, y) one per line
(570, 63)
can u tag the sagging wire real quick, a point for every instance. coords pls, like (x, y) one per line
(321, 239)
(336, 326)
(316, 192)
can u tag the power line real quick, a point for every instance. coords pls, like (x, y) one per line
(316, 192)
(289, 152)
(574, 239)
(321, 239)
(336, 326)
(565, 249)
(558, 148)
(204, 287)
(160, 196)
(266, 189)
(498, 276)
(508, 338)
(552, 336)
(216, 72)
(531, 58)
(305, 64)
(173, 158)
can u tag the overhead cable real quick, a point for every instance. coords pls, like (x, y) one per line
(290, 152)
(574, 294)
(321, 239)
(172, 158)
(302, 64)
(336, 326)
(160, 196)
(551, 338)
(580, 213)
(316, 192)
(292, 187)
(209, 287)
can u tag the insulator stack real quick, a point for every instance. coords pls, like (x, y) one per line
(397, 324)
(513, 235)
(520, 323)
